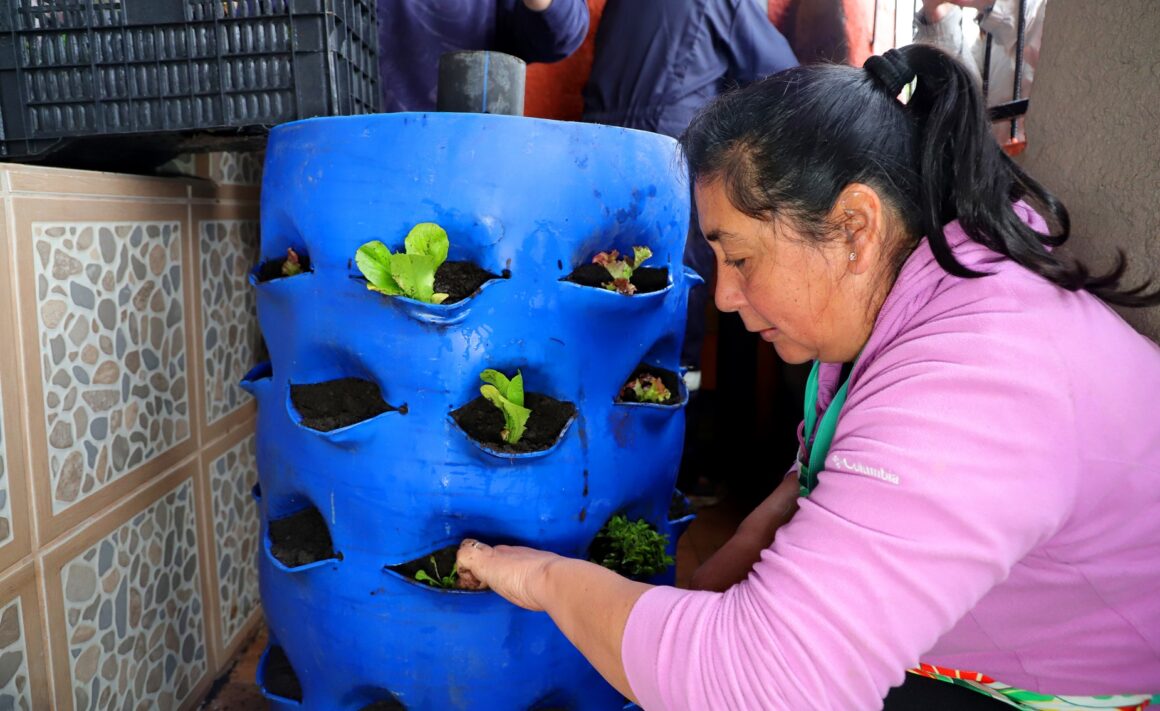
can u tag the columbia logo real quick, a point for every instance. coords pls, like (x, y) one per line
(843, 464)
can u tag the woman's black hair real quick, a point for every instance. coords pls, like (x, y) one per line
(786, 146)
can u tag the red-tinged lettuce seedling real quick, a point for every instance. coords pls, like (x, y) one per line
(621, 268)
(508, 396)
(410, 273)
(293, 264)
(648, 388)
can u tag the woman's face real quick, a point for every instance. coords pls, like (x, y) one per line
(790, 291)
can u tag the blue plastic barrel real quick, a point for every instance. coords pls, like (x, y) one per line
(528, 198)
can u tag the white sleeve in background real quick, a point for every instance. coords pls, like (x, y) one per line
(947, 34)
(1002, 21)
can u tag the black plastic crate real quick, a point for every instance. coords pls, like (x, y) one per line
(168, 75)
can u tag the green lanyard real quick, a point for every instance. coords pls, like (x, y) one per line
(820, 447)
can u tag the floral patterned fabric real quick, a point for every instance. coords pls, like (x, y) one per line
(1031, 700)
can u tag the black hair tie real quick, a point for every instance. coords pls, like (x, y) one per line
(890, 70)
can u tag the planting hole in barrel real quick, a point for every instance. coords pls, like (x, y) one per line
(301, 538)
(278, 677)
(333, 404)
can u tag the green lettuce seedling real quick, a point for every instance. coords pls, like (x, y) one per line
(648, 388)
(621, 268)
(508, 396)
(410, 273)
(633, 548)
(439, 581)
(293, 265)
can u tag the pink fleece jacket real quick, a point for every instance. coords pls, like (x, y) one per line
(990, 502)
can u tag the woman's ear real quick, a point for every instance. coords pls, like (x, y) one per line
(858, 213)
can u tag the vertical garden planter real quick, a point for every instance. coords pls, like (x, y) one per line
(349, 509)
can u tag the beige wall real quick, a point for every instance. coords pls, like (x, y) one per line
(127, 533)
(1094, 131)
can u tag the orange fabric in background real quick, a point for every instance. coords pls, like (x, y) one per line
(779, 13)
(857, 17)
(859, 30)
(553, 90)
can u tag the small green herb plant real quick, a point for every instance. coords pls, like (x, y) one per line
(621, 268)
(647, 388)
(508, 396)
(410, 273)
(293, 264)
(448, 581)
(631, 548)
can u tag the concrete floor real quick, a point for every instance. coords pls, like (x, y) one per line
(237, 690)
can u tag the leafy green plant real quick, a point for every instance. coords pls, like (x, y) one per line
(647, 388)
(508, 396)
(632, 548)
(410, 273)
(439, 581)
(621, 268)
(293, 264)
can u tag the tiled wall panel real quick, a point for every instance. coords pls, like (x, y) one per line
(15, 683)
(227, 249)
(132, 607)
(126, 447)
(228, 168)
(232, 475)
(23, 671)
(14, 504)
(112, 347)
(5, 503)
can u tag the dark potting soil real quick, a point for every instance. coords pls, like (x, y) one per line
(337, 403)
(668, 377)
(272, 268)
(679, 506)
(444, 561)
(301, 539)
(645, 279)
(600, 549)
(460, 280)
(483, 422)
(385, 705)
(279, 678)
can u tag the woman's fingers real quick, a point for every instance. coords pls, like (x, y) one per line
(514, 572)
(470, 551)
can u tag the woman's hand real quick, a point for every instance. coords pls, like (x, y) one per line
(518, 574)
(590, 604)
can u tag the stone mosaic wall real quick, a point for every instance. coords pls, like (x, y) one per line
(235, 528)
(112, 345)
(5, 506)
(15, 690)
(238, 168)
(228, 249)
(134, 612)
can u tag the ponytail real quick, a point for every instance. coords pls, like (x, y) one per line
(934, 158)
(965, 175)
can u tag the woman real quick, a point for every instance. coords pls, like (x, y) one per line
(981, 461)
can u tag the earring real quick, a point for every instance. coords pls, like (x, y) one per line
(853, 256)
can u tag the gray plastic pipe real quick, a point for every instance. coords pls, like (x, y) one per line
(481, 82)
